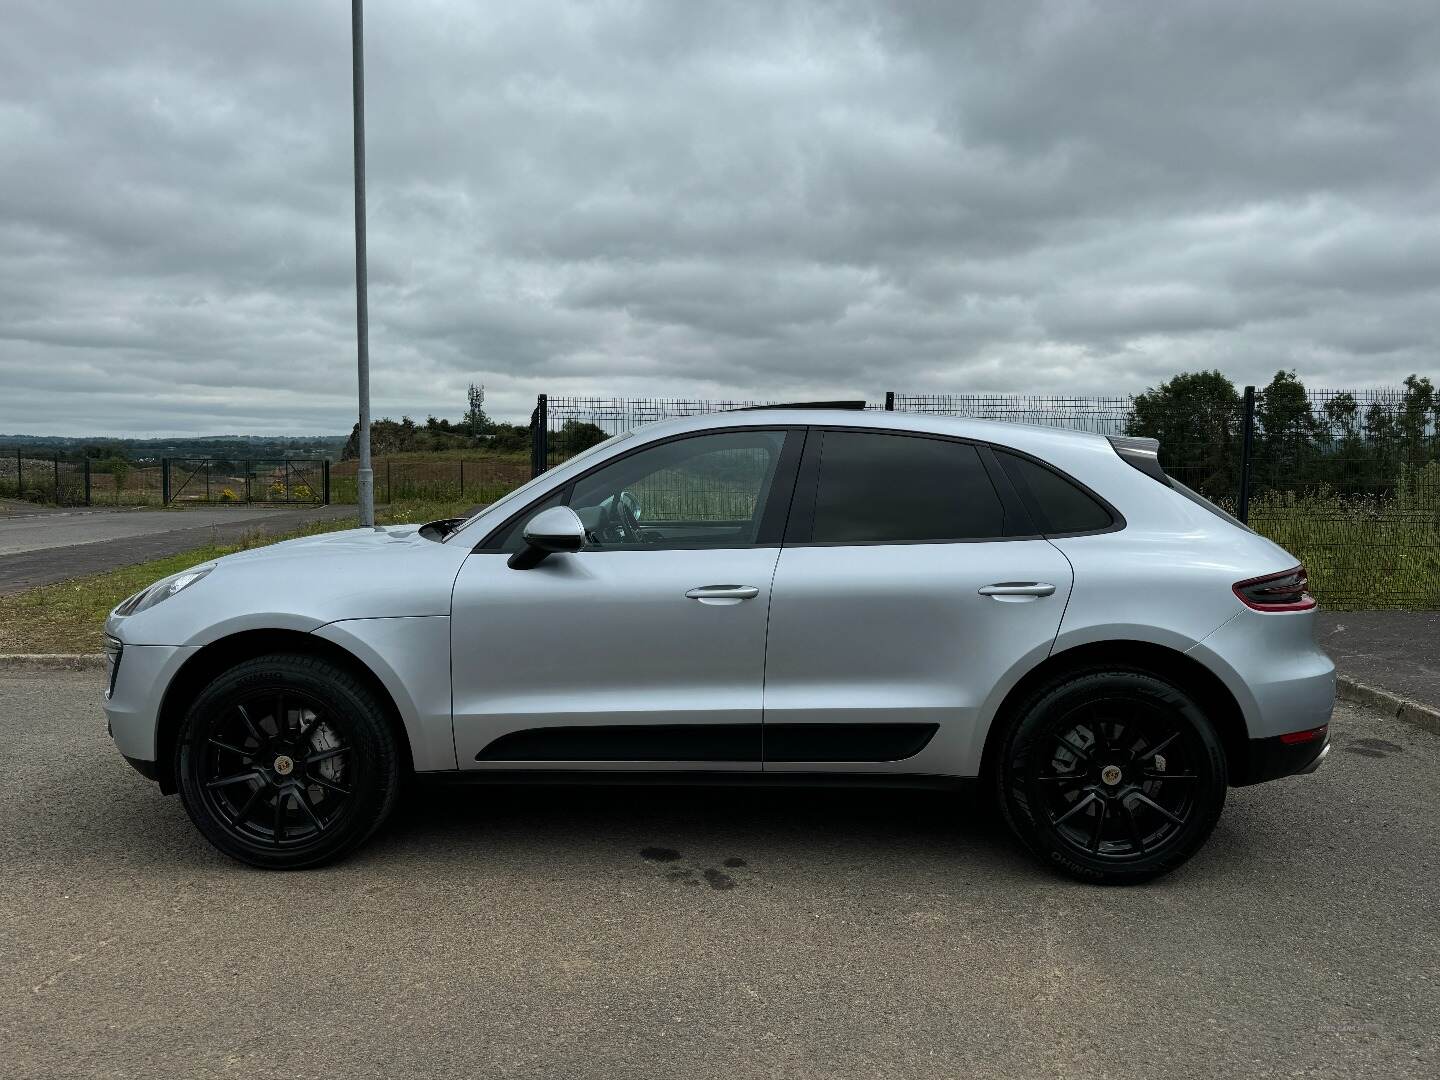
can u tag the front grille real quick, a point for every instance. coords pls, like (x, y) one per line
(114, 649)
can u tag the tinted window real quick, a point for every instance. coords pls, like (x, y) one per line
(903, 490)
(1063, 505)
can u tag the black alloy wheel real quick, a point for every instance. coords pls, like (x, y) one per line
(1114, 776)
(287, 762)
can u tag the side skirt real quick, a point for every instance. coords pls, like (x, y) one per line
(591, 778)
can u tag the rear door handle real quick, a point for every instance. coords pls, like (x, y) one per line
(731, 593)
(1018, 588)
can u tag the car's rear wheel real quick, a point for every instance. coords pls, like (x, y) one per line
(1113, 777)
(287, 762)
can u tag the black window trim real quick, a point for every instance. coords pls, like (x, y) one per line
(1037, 512)
(801, 530)
(772, 522)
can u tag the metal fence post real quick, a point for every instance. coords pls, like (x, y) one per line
(534, 440)
(389, 481)
(1247, 449)
(57, 479)
(19, 472)
(164, 481)
(248, 469)
(889, 400)
(325, 482)
(540, 436)
(462, 477)
(87, 481)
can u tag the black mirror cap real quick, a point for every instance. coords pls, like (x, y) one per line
(527, 558)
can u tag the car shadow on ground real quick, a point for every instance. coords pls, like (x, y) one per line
(680, 827)
(692, 834)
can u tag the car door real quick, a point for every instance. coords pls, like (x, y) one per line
(911, 583)
(647, 648)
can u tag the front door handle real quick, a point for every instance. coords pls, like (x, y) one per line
(731, 593)
(1018, 588)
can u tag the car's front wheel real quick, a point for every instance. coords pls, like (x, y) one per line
(287, 762)
(1113, 777)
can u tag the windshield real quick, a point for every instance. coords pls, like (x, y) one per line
(563, 467)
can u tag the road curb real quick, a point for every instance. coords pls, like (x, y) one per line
(1401, 708)
(17, 663)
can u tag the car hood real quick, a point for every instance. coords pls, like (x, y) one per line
(304, 584)
(333, 544)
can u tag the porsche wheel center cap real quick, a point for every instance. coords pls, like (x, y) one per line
(285, 766)
(1110, 774)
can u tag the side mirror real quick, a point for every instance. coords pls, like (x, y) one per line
(558, 529)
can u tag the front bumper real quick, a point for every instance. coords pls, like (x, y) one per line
(132, 709)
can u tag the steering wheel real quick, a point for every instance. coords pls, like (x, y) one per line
(628, 520)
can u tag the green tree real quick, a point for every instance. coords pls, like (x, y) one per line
(1382, 441)
(1347, 460)
(574, 436)
(1416, 408)
(1287, 454)
(1196, 417)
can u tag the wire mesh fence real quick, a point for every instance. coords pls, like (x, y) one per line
(48, 478)
(1347, 481)
(573, 424)
(77, 480)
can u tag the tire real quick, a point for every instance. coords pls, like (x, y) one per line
(295, 794)
(1113, 777)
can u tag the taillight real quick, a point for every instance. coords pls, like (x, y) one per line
(1285, 591)
(1293, 738)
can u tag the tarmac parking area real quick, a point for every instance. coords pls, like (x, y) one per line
(657, 932)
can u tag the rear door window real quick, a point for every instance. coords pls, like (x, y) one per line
(902, 489)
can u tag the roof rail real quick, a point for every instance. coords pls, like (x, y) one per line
(804, 405)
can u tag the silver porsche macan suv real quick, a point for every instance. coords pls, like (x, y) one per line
(759, 596)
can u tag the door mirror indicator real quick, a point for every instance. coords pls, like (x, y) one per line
(553, 531)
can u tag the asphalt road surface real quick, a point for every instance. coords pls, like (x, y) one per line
(709, 933)
(41, 546)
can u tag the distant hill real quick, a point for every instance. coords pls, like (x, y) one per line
(221, 446)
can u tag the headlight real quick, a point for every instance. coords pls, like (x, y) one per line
(163, 590)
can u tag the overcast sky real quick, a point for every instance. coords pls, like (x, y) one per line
(774, 199)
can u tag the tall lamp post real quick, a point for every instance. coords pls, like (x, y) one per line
(365, 475)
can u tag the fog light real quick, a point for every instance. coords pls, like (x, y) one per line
(113, 651)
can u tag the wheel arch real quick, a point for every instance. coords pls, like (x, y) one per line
(224, 653)
(1185, 672)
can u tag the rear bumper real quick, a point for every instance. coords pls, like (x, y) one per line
(1282, 681)
(1270, 759)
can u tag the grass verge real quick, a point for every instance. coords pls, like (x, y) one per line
(69, 616)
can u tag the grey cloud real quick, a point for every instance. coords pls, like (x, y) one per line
(734, 200)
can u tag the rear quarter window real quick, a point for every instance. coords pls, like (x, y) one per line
(1062, 505)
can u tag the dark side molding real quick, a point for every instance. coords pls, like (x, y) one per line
(713, 742)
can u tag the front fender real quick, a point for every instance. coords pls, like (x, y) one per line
(411, 658)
